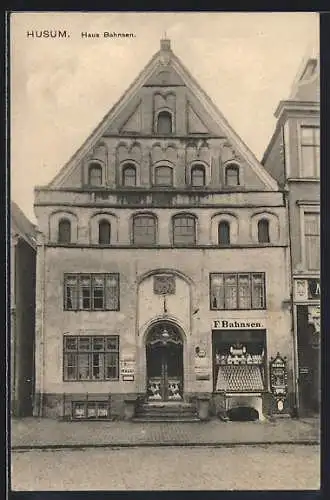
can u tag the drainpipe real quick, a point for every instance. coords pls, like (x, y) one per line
(293, 309)
(39, 322)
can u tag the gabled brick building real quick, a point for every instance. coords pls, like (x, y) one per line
(163, 266)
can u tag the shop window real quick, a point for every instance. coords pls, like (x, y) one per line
(239, 360)
(263, 231)
(163, 176)
(164, 123)
(91, 358)
(91, 292)
(104, 232)
(95, 174)
(144, 230)
(129, 175)
(310, 151)
(237, 291)
(198, 176)
(224, 233)
(64, 231)
(232, 175)
(312, 240)
(184, 230)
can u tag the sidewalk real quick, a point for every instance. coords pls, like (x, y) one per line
(43, 433)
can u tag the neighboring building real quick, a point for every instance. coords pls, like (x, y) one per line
(163, 269)
(293, 158)
(23, 251)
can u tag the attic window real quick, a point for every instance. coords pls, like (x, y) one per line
(95, 174)
(232, 175)
(309, 69)
(164, 123)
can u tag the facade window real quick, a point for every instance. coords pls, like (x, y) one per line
(129, 176)
(91, 292)
(64, 231)
(312, 240)
(263, 231)
(144, 230)
(164, 123)
(224, 233)
(104, 232)
(184, 230)
(310, 151)
(198, 176)
(237, 291)
(163, 176)
(91, 358)
(232, 175)
(95, 175)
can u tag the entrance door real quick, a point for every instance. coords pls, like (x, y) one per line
(164, 364)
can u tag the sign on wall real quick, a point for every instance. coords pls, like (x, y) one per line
(127, 370)
(202, 367)
(237, 324)
(307, 289)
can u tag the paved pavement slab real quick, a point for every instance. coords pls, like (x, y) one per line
(45, 433)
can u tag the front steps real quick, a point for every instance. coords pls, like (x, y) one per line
(168, 411)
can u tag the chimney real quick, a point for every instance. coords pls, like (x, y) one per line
(165, 44)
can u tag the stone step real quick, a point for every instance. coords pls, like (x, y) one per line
(169, 409)
(143, 419)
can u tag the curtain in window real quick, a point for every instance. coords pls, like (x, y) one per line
(230, 286)
(184, 230)
(104, 232)
(263, 231)
(71, 293)
(217, 292)
(232, 176)
(95, 175)
(244, 291)
(91, 358)
(144, 230)
(312, 240)
(64, 231)
(224, 233)
(258, 288)
(164, 123)
(198, 176)
(129, 176)
(112, 293)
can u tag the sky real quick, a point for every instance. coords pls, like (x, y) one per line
(61, 88)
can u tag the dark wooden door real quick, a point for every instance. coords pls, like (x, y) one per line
(164, 372)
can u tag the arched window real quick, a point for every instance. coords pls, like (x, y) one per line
(224, 233)
(164, 123)
(129, 175)
(184, 230)
(263, 231)
(104, 232)
(144, 230)
(163, 176)
(95, 174)
(198, 176)
(232, 175)
(64, 231)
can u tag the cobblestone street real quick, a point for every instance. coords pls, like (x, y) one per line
(282, 467)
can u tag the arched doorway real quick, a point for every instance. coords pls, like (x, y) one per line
(164, 355)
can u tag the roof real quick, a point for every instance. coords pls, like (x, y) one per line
(162, 59)
(21, 225)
